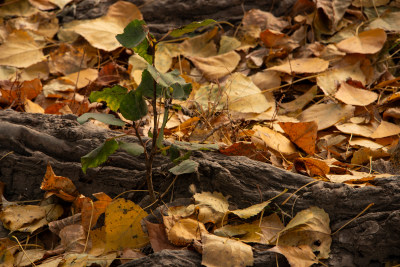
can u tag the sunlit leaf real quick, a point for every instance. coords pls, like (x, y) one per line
(112, 96)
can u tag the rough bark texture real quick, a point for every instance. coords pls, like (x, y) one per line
(163, 15)
(35, 139)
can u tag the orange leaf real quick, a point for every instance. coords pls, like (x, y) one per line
(94, 211)
(303, 134)
(58, 185)
(311, 167)
(244, 149)
(19, 92)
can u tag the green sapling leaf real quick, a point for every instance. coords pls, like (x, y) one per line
(186, 166)
(105, 118)
(141, 50)
(191, 27)
(132, 148)
(134, 33)
(112, 96)
(133, 106)
(99, 155)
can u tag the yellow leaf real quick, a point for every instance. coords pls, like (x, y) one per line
(301, 256)
(122, 225)
(275, 140)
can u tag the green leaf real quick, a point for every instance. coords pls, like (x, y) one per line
(146, 86)
(186, 166)
(182, 158)
(99, 155)
(191, 27)
(112, 96)
(132, 148)
(106, 118)
(171, 79)
(133, 106)
(194, 146)
(134, 34)
(141, 50)
(160, 136)
(174, 153)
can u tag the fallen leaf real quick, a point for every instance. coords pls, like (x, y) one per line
(221, 252)
(351, 95)
(367, 42)
(302, 65)
(311, 167)
(101, 32)
(327, 115)
(301, 256)
(20, 50)
(185, 231)
(303, 134)
(275, 140)
(385, 129)
(216, 67)
(158, 237)
(59, 185)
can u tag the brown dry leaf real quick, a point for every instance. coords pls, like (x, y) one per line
(368, 42)
(270, 226)
(388, 21)
(67, 59)
(364, 142)
(15, 218)
(311, 167)
(351, 95)
(91, 211)
(300, 102)
(244, 96)
(58, 88)
(60, 186)
(122, 225)
(81, 78)
(101, 32)
(15, 92)
(227, 44)
(158, 237)
(266, 79)
(301, 256)
(264, 20)
(43, 4)
(7, 251)
(225, 252)
(26, 257)
(302, 65)
(42, 23)
(216, 67)
(309, 227)
(303, 134)
(246, 232)
(20, 50)
(73, 238)
(275, 39)
(327, 115)
(328, 81)
(83, 259)
(369, 3)
(165, 52)
(329, 15)
(385, 129)
(20, 8)
(250, 211)
(244, 149)
(211, 206)
(32, 107)
(356, 129)
(185, 231)
(275, 140)
(366, 154)
(200, 46)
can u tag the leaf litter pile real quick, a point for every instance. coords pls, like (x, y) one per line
(315, 93)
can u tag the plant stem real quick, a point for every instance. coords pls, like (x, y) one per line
(153, 151)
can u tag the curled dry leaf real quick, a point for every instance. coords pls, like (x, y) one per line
(303, 134)
(301, 256)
